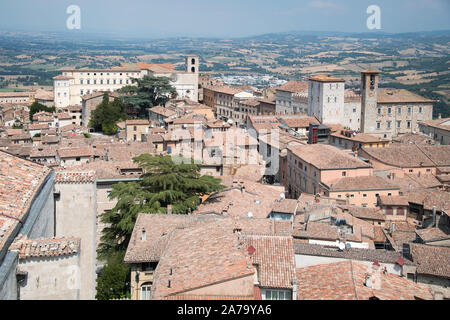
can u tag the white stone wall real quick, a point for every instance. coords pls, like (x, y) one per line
(62, 90)
(326, 101)
(283, 102)
(76, 216)
(51, 278)
(352, 115)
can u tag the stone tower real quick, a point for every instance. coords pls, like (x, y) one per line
(191, 63)
(369, 97)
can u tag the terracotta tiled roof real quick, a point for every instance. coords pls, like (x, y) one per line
(434, 234)
(19, 182)
(364, 213)
(431, 260)
(274, 256)
(250, 102)
(197, 257)
(326, 78)
(43, 152)
(61, 77)
(394, 200)
(63, 116)
(299, 121)
(163, 111)
(294, 86)
(75, 152)
(158, 228)
(137, 122)
(371, 255)
(362, 183)
(409, 156)
(327, 157)
(38, 126)
(236, 201)
(429, 198)
(98, 94)
(359, 137)
(413, 138)
(325, 231)
(400, 95)
(14, 94)
(443, 123)
(39, 248)
(225, 89)
(264, 123)
(286, 206)
(346, 281)
(75, 177)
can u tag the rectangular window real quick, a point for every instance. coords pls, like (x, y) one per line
(278, 295)
(145, 292)
(389, 124)
(344, 173)
(378, 125)
(408, 124)
(409, 109)
(379, 110)
(399, 110)
(389, 110)
(420, 109)
(399, 124)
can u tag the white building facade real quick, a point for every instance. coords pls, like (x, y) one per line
(72, 84)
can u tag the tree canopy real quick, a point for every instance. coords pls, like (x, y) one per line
(163, 183)
(107, 114)
(114, 279)
(149, 92)
(37, 107)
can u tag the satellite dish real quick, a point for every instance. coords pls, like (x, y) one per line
(250, 214)
(230, 121)
(348, 246)
(341, 246)
(282, 196)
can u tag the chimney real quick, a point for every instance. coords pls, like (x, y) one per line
(410, 187)
(169, 209)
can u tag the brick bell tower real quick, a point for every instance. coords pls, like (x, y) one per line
(369, 98)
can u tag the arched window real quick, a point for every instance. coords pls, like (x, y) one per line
(193, 61)
(193, 69)
(146, 290)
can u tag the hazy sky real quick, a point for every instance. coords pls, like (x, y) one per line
(223, 18)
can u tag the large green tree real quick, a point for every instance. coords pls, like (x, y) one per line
(107, 114)
(164, 182)
(37, 107)
(114, 279)
(149, 92)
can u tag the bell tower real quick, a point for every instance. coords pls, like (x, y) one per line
(369, 98)
(191, 63)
